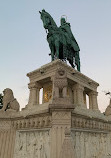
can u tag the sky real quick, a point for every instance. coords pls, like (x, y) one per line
(24, 48)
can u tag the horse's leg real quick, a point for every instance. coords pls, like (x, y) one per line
(77, 61)
(52, 53)
(78, 67)
(52, 49)
(71, 62)
(57, 48)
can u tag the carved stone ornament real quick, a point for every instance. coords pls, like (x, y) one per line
(61, 73)
(9, 102)
(60, 79)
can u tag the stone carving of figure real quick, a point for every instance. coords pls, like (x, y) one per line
(9, 102)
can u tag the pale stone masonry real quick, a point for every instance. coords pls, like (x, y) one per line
(62, 126)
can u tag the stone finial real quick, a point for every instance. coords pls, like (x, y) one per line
(9, 102)
(67, 150)
(108, 109)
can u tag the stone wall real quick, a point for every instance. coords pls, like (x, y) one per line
(91, 144)
(32, 144)
(7, 139)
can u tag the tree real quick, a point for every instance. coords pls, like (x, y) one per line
(1, 101)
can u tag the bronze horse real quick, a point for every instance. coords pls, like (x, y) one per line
(61, 40)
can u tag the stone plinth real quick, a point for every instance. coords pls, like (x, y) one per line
(40, 130)
(66, 83)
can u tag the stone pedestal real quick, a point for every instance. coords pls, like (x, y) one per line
(61, 78)
(40, 130)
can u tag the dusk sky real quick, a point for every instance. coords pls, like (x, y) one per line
(24, 48)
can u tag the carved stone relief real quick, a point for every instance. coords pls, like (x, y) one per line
(91, 145)
(32, 144)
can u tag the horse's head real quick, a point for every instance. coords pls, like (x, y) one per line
(47, 19)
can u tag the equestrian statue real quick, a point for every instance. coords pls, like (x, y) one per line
(61, 40)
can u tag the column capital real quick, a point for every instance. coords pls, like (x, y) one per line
(34, 85)
(78, 86)
(93, 93)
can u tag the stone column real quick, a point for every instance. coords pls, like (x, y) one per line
(61, 120)
(93, 100)
(34, 93)
(78, 95)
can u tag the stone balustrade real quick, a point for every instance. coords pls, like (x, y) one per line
(80, 123)
(39, 122)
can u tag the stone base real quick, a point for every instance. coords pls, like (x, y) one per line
(39, 129)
